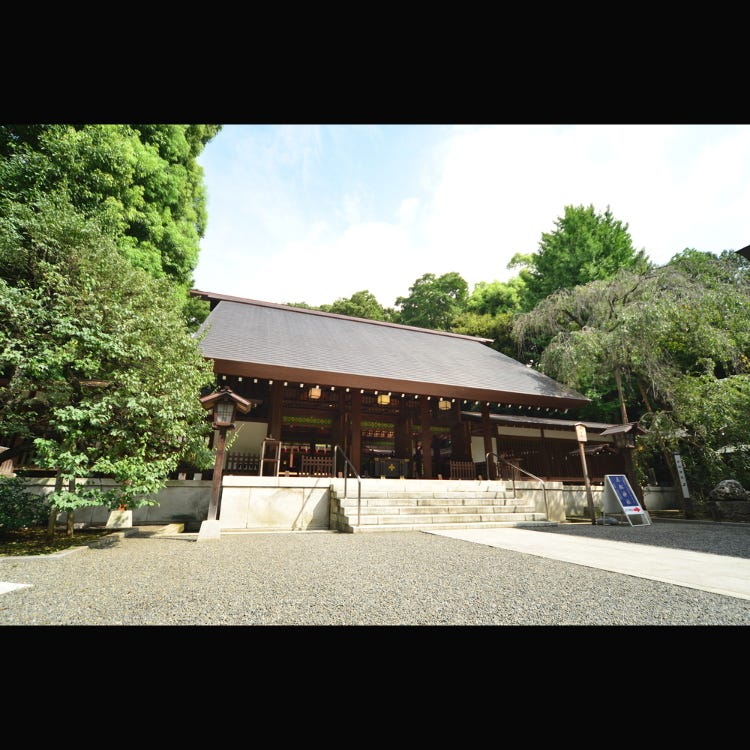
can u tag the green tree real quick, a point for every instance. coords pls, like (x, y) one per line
(362, 304)
(434, 301)
(100, 373)
(498, 328)
(489, 313)
(664, 347)
(584, 247)
(142, 182)
(490, 298)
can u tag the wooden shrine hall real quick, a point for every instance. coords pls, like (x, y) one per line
(399, 401)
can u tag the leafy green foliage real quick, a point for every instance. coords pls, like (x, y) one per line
(677, 340)
(714, 413)
(584, 247)
(360, 305)
(20, 508)
(142, 182)
(433, 301)
(493, 297)
(103, 376)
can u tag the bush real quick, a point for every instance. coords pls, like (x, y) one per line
(20, 508)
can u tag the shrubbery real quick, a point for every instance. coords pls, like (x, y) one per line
(20, 508)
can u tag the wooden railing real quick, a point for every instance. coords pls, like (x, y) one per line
(463, 469)
(238, 461)
(316, 466)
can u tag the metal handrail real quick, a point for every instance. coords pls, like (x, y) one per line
(339, 449)
(513, 478)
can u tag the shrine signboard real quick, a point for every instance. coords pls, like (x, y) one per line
(619, 498)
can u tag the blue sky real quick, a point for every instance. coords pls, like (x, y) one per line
(313, 213)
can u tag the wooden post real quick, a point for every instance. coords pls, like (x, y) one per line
(582, 438)
(213, 505)
(589, 496)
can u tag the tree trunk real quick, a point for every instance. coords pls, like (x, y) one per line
(627, 457)
(52, 517)
(668, 459)
(69, 526)
(623, 408)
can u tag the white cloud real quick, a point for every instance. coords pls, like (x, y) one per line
(312, 214)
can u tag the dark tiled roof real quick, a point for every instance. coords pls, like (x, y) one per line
(275, 341)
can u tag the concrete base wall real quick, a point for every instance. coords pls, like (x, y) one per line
(563, 500)
(567, 500)
(303, 503)
(275, 503)
(661, 498)
(181, 501)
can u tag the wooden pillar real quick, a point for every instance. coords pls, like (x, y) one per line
(495, 442)
(274, 418)
(545, 454)
(337, 426)
(487, 435)
(404, 447)
(356, 438)
(460, 436)
(426, 421)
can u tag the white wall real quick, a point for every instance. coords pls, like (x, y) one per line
(299, 503)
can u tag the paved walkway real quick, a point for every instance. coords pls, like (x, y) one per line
(729, 576)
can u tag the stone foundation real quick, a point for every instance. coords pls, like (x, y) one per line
(730, 510)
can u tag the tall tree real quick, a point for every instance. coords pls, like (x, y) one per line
(654, 345)
(99, 371)
(585, 246)
(362, 304)
(142, 182)
(490, 298)
(489, 313)
(434, 301)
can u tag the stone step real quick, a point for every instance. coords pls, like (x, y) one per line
(452, 518)
(536, 520)
(416, 486)
(423, 510)
(410, 496)
(427, 501)
(403, 504)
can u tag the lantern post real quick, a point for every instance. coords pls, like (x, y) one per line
(223, 405)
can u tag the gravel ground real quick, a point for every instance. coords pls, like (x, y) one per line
(374, 579)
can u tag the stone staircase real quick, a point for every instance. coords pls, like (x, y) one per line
(418, 504)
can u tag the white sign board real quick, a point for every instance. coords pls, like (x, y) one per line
(681, 474)
(620, 498)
